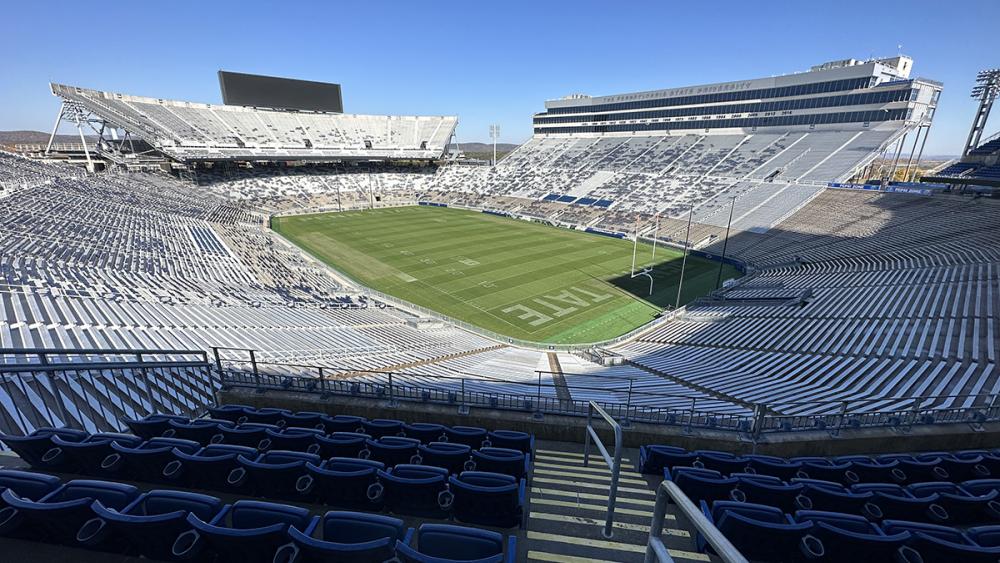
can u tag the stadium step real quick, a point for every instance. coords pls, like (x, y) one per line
(568, 507)
(559, 381)
(711, 392)
(429, 361)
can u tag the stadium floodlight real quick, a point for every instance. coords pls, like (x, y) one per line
(986, 90)
(494, 134)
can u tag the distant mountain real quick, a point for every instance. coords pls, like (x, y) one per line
(486, 147)
(28, 137)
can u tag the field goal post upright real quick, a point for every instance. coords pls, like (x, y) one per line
(647, 270)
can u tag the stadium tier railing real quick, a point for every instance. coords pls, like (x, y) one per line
(94, 389)
(540, 398)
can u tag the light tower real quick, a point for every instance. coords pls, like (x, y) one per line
(986, 89)
(494, 134)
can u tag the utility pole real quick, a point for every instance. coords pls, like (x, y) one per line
(495, 134)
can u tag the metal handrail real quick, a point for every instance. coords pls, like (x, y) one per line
(614, 462)
(668, 491)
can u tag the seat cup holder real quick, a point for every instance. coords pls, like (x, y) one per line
(241, 420)
(937, 513)
(401, 434)
(487, 443)
(375, 492)
(801, 474)
(92, 531)
(851, 477)
(264, 444)
(312, 449)
(872, 511)
(216, 439)
(803, 502)
(897, 475)
(442, 438)
(112, 462)
(981, 470)
(9, 519)
(304, 484)
(940, 472)
(187, 545)
(993, 507)
(750, 470)
(172, 470)
(416, 459)
(698, 464)
(288, 553)
(169, 433)
(469, 465)
(446, 499)
(906, 554)
(52, 456)
(236, 477)
(812, 547)
(738, 495)
(365, 454)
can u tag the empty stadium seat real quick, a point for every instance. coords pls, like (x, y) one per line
(451, 456)
(153, 425)
(962, 506)
(417, 490)
(702, 484)
(834, 497)
(941, 544)
(341, 444)
(232, 413)
(873, 471)
(471, 436)
(379, 427)
(203, 431)
(208, 467)
(895, 502)
(342, 423)
(245, 532)
(827, 470)
(83, 456)
(444, 543)
(764, 533)
(424, 431)
(292, 439)
(654, 459)
(848, 538)
(770, 491)
(148, 525)
(272, 474)
(343, 482)
(346, 536)
(146, 461)
(513, 440)
(33, 447)
(502, 460)
(392, 450)
(304, 419)
(775, 466)
(57, 516)
(723, 462)
(487, 499)
(266, 415)
(249, 435)
(27, 485)
(917, 470)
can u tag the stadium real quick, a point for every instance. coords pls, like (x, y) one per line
(669, 325)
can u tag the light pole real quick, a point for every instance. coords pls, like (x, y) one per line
(495, 134)
(687, 239)
(725, 243)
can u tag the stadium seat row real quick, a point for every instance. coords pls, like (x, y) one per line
(972, 502)
(848, 470)
(477, 497)
(175, 525)
(766, 533)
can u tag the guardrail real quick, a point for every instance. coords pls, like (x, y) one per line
(614, 462)
(667, 492)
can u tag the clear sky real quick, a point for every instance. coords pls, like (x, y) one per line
(483, 61)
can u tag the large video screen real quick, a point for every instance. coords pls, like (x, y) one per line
(240, 89)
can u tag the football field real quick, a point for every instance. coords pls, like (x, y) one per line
(520, 279)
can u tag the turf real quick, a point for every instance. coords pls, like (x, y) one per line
(524, 280)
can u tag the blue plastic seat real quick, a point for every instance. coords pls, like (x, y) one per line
(702, 484)
(266, 415)
(961, 466)
(245, 532)
(723, 462)
(85, 456)
(981, 486)
(512, 440)
(342, 423)
(426, 432)
(341, 444)
(452, 457)
(347, 536)
(895, 502)
(153, 425)
(764, 533)
(963, 507)
(917, 470)
(304, 419)
(502, 460)
(827, 470)
(207, 468)
(775, 467)
(248, 434)
(147, 461)
(868, 470)
(149, 524)
(271, 474)
(232, 413)
(379, 427)
(770, 491)
(444, 543)
(487, 499)
(848, 537)
(471, 436)
(343, 482)
(27, 485)
(654, 459)
(414, 489)
(942, 544)
(292, 439)
(834, 497)
(32, 448)
(58, 516)
(201, 430)
(392, 450)
(986, 536)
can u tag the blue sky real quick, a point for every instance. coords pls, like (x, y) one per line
(483, 61)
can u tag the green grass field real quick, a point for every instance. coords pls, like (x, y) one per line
(524, 280)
